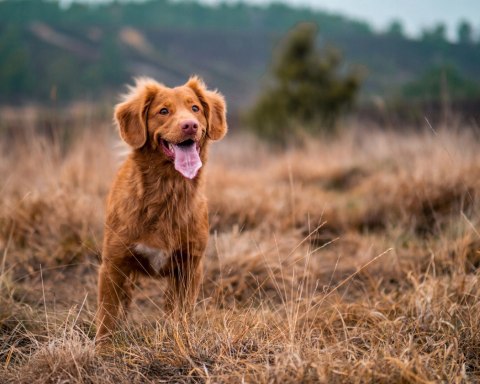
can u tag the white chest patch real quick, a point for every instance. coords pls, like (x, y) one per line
(158, 258)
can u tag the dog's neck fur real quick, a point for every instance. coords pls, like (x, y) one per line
(166, 196)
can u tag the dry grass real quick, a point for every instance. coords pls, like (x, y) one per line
(352, 260)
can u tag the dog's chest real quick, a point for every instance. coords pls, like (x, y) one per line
(157, 258)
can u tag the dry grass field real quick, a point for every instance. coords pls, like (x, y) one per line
(349, 260)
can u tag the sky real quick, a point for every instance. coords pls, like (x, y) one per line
(415, 15)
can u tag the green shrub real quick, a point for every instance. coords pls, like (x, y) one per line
(309, 89)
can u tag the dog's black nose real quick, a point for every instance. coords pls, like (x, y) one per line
(189, 127)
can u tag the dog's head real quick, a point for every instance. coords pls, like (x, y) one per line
(174, 122)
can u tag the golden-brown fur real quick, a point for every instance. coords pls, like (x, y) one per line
(152, 209)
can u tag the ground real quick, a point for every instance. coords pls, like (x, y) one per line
(350, 259)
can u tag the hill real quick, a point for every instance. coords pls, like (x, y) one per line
(85, 52)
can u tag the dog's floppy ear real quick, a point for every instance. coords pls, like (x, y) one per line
(214, 107)
(131, 114)
(218, 115)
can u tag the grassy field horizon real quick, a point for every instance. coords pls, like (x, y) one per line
(351, 259)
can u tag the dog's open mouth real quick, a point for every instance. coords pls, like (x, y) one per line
(186, 156)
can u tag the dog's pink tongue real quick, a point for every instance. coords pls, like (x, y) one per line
(187, 161)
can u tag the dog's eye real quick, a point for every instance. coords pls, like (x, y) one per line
(195, 108)
(164, 111)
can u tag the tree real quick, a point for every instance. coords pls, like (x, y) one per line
(309, 89)
(442, 80)
(437, 34)
(15, 72)
(396, 29)
(111, 64)
(464, 33)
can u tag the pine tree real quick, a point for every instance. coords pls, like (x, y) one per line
(465, 32)
(309, 91)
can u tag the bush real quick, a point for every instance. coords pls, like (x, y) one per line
(309, 89)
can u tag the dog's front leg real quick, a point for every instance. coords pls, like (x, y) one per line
(113, 290)
(184, 283)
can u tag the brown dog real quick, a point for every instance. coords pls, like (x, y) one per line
(157, 219)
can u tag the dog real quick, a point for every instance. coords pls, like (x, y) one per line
(156, 216)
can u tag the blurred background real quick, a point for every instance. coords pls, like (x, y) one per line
(344, 245)
(392, 63)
